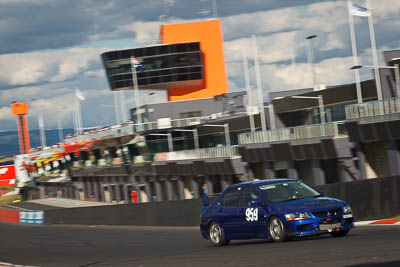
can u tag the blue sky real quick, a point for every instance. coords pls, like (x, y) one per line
(49, 47)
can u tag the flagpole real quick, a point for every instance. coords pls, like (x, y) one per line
(259, 88)
(42, 132)
(75, 123)
(79, 96)
(374, 53)
(136, 91)
(79, 115)
(355, 54)
(60, 131)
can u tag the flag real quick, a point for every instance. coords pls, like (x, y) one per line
(79, 94)
(357, 10)
(136, 64)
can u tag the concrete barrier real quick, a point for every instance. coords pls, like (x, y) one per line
(370, 199)
(165, 213)
(9, 215)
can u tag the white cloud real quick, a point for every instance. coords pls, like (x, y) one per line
(50, 75)
(8, 2)
(383, 10)
(141, 32)
(271, 48)
(95, 73)
(55, 66)
(333, 42)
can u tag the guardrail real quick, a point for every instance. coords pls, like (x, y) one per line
(202, 153)
(380, 108)
(332, 129)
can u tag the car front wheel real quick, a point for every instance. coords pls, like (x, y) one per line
(216, 235)
(276, 230)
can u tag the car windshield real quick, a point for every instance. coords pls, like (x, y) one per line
(288, 191)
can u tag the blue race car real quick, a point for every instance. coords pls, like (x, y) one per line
(274, 209)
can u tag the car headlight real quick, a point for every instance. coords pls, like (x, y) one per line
(298, 216)
(347, 209)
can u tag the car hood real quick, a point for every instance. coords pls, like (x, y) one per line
(309, 204)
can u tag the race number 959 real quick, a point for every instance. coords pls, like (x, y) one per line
(252, 214)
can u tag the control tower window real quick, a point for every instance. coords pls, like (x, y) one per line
(190, 114)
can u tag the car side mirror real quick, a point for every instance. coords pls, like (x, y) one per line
(256, 203)
(322, 192)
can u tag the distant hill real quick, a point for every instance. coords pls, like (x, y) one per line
(9, 140)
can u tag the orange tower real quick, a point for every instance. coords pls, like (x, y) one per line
(21, 109)
(209, 34)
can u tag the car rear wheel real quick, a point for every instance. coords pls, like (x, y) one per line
(340, 233)
(216, 235)
(276, 230)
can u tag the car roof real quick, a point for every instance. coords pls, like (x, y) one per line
(268, 181)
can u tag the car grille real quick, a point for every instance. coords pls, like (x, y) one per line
(328, 213)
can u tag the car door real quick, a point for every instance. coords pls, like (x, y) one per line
(227, 212)
(253, 216)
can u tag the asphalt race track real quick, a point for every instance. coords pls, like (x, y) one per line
(93, 246)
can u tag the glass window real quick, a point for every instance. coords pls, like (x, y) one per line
(249, 194)
(231, 197)
(287, 191)
(190, 114)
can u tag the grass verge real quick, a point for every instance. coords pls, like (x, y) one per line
(8, 187)
(10, 199)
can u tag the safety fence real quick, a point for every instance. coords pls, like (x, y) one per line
(203, 153)
(131, 128)
(381, 110)
(332, 129)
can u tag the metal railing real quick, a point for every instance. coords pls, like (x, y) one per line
(332, 129)
(380, 108)
(127, 129)
(202, 153)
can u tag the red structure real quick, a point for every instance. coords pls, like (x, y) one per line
(209, 34)
(20, 110)
(134, 197)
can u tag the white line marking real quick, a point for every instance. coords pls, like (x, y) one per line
(14, 207)
(13, 265)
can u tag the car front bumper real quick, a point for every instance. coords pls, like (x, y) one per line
(318, 226)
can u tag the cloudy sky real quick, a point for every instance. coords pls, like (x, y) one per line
(49, 47)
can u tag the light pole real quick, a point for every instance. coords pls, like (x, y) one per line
(374, 52)
(248, 90)
(226, 129)
(214, 8)
(195, 136)
(60, 128)
(355, 54)
(79, 97)
(397, 74)
(259, 87)
(42, 132)
(135, 63)
(60, 131)
(397, 77)
(310, 56)
(116, 110)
